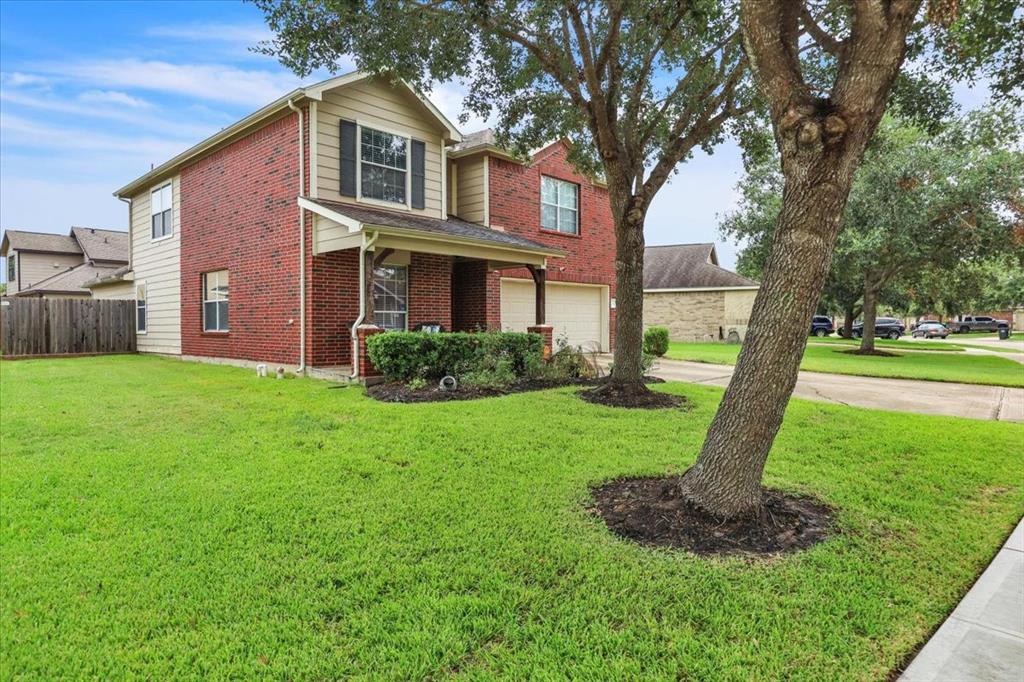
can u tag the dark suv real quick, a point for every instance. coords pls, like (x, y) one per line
(885, 327)
(821, 326)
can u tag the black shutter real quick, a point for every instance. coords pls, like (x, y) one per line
(347, 137)
(419, 152)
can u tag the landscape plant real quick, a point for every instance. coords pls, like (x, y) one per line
(656, 341)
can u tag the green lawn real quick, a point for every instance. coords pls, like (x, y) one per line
(168, 520)
(958, 367)
(889, 343)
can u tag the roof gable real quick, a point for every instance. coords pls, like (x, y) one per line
(44, 242)
(102, 245)
(688, 266)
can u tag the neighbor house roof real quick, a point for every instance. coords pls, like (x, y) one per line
(102, 245)
(109, 277)
(276, 109)
(688, 266)
(452, 227)
(70, 281)
(20, 240)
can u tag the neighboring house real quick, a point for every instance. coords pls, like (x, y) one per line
(687, 291)
(61, 266)
(353, 206)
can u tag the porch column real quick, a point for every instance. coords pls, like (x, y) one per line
(368, 298)
(539, 285)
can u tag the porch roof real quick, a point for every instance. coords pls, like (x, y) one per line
(358, 218)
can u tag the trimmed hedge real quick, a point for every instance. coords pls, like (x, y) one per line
(656, 341)
(401, 356)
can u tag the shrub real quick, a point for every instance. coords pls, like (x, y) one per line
(491, 372)
(656, 341)
(401, 356)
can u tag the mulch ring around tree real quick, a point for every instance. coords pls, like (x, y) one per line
(648, 511)
(397, 392)
(612, 395)
(873, 352)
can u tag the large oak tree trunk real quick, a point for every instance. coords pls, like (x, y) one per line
(848, 323)
(726, 480)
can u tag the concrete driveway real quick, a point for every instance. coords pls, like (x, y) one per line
(901, 395)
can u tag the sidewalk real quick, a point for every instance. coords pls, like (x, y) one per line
(901, 395)
(983, 639)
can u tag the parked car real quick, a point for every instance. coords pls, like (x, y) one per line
(979, 323)
(885, 327)
(821, 326)
(921, 322)
(930, 330)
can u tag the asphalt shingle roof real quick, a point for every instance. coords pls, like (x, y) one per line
(105, 245)
(21, 240)
(452, 227)
(68, 281)
(687, 266)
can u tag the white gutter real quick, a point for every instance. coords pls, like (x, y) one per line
(302, 244)
(366, 245)
(131, 239)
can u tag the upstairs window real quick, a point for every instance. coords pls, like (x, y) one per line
(391, 296)
(140, 308)
(11, 267)
(160, 210)
(215, 301)
(384, 163)
(559, 205)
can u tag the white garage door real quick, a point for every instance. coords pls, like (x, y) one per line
(575, 311)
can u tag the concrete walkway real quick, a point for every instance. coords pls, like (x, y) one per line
(983, 639)
(901, 395)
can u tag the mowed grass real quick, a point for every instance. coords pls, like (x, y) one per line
(168, 520)
(941, 344)
(968, 368)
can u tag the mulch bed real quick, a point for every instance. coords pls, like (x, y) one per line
(397, 392)
(608, 396)
(650, 512)
(876, 353)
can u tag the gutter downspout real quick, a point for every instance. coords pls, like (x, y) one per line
(366, 246)
(301, 369)
(131, 240)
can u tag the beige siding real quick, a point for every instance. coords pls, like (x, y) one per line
(157, 264)
(114, 290)
(472, 189)
(376, 104)
(35, 267)
(738, 305)
(700, 315)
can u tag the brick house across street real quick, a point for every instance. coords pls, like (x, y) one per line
(354, 206)
(687, 291)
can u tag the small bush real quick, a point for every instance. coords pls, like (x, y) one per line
(492, 372)
(402, 356)
(656, 341)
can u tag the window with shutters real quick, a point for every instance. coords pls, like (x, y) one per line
(161, 211)
(384, 159)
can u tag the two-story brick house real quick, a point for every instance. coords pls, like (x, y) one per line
(353, 206)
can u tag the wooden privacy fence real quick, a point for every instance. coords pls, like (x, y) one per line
(37, 326)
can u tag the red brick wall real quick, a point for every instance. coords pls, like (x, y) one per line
(476, 302)
(515, 207)
(238, 213)
(332, 307)
(430, 290)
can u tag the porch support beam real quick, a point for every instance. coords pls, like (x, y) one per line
(379, 258)
(368, 283)
(539, 286)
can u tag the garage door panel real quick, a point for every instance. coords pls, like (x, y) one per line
(574, 312)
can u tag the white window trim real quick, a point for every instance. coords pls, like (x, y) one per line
(407, 136)
(137, 285)
(559, 207)
(204, 301)
(406, 311)
(169, 183)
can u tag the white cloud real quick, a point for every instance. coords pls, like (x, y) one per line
(448, 98)
(17, 79)
(245, 34)
(113, 97)
(23, 133)
(54, 206)
(214, 82)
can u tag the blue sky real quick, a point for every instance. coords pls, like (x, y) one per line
(93, 93)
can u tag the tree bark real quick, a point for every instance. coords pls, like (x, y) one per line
(848, 323)
(867, 341)
(627, 370)
(726, 480)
